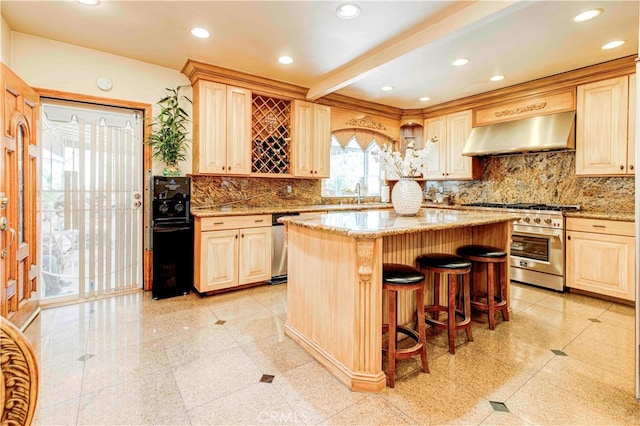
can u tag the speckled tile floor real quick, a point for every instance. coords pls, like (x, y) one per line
(562, 359)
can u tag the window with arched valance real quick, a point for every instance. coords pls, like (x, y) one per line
(353, 165)
(363, 137)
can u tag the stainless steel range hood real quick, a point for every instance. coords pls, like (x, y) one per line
(541, 133)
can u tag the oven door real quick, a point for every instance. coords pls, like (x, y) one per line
(538, 249)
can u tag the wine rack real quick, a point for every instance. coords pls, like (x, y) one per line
(270, 135)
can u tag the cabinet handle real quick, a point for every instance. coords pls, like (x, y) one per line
(218, 223)
(599, 226)
(621, 167)
(259, 220)
(229, 169)
(568, 237)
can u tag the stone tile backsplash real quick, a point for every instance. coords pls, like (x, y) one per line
(539, 178)
(543, 178)
(214, 191)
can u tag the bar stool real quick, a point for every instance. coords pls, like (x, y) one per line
(453, 267)
(495, 260)
(397, 277)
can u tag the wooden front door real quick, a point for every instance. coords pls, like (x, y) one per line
(19, 299)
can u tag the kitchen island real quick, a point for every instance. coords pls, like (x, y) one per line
(335, 303)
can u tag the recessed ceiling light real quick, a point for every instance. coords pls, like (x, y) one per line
(285, 60)
(425, 99)
(497, 78)
(613, 44)
(460, 62)
(90, 2)
(587, 15)
(200, 32)
(348, 11)
(386, 88)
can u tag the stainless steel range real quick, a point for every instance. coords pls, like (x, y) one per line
(537, 244)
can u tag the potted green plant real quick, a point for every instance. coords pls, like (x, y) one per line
(169, 139)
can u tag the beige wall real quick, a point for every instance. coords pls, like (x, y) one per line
(49, 64)
(5, 42)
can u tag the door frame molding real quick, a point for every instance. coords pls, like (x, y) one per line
(147, 112)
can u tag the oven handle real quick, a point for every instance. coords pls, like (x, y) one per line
(556, 234)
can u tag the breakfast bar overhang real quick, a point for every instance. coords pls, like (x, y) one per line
(335, 300)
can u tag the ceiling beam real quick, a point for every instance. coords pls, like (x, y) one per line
(440, 27)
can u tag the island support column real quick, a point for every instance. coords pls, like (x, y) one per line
(334, 303)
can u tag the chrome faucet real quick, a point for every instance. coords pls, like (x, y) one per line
(358, 198)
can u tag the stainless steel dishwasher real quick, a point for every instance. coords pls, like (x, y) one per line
(278, 250)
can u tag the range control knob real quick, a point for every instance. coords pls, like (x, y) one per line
(164, 208)
(548, 221)
(526, 219)
(536, 220)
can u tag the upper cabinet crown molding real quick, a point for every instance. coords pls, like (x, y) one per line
(342, 119)
(534, 88)
(195, 71)
(528, 107)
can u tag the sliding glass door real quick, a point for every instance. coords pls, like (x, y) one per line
(91, 174)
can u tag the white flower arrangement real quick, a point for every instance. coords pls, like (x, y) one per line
(412, 165)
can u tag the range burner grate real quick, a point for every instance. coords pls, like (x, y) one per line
(525, 206)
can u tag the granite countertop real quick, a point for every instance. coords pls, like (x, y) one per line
(585, 214)
(379, 223)
(623, 217)
(243, 210)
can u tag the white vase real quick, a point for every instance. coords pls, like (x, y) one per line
(406, 197)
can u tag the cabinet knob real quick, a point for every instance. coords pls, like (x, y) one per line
(568, 237)
(631, 167)
(621, 167)
(443, 174)
(242, 235)
(223, 167)
(236, 236)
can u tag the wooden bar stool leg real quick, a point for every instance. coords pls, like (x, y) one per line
(503, 289)
(491, 301)
(436, 295)
(393, 336)
(451, 320)
(422, 328)
(467, 303)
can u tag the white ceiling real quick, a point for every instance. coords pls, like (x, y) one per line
(405, 44)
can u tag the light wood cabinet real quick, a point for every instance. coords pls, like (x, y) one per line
(601, 257)
(605, 127)
(447, 162)
(547, 103)
(411, 130)
(231, 251)
(311, 139)
(222, 129)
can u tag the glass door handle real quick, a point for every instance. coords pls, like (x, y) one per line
(5, 227)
